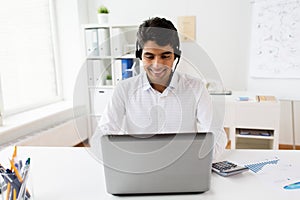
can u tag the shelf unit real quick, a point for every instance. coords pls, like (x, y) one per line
(254, 140)
(105, 48)
(249, 121)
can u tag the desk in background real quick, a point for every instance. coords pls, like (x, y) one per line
(251, 116)
(64, 173)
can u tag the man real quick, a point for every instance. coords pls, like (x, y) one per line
(159, 100)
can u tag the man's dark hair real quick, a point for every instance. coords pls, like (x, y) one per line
(159, 30)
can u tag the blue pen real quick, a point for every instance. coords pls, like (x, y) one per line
(17, 166)
(292, 186)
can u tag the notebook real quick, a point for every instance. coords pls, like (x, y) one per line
(156, 164)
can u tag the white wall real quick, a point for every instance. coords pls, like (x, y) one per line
(223, 28)
(70, 15)
(287, 89)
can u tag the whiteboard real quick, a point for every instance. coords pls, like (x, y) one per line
(275, 39)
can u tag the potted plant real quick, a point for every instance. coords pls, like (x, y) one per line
(108, 80)
(103, 15)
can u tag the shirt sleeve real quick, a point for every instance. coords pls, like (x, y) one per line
(111, 119)
(209, 119)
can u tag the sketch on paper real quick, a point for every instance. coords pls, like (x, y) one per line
(275, 50)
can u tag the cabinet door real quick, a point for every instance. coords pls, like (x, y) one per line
(257, 115)
(286, 129)
(99, 99)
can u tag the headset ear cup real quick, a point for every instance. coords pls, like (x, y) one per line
(138, 54)
(177, 54)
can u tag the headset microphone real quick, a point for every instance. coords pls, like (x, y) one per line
(177, 55)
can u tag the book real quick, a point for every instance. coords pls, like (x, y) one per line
(127, 65)
(260, 98)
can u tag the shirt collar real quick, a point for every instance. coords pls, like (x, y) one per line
(146, 85)
(174, 81)
(145, 82)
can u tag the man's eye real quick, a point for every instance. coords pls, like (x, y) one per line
(165, 56)
(150, 57)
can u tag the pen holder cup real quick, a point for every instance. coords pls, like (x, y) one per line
(13, 189)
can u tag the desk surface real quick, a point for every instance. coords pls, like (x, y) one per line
(72, 173)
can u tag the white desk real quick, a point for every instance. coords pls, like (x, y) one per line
(72, 173)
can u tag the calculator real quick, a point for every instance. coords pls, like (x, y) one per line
(227, 168)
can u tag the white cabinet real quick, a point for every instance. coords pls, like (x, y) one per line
(252, 124)
(99, 98)
(108, 51)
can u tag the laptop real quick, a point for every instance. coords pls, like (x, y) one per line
(157, 164)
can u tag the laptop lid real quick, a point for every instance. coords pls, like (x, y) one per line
(160, 163)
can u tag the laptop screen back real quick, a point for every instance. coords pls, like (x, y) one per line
(160, 163)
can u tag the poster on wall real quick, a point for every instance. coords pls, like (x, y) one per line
(275, 40)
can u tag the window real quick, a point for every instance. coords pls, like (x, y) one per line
(27, 55)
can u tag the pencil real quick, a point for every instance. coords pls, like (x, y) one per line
(8, 191)
(15, 194)
(15, 153)
(8, 184)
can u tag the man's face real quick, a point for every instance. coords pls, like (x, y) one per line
(158, 62)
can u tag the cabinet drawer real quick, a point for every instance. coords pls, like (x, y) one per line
(257, 115)
(99, 98)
